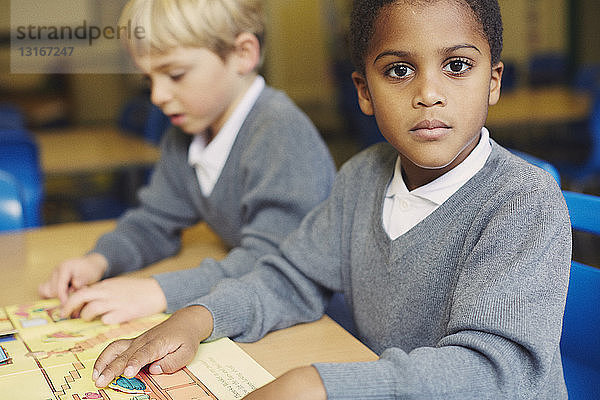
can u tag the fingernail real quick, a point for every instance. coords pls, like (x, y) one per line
(129, 372)
(94, 375)
(155, 369)
(101, 381)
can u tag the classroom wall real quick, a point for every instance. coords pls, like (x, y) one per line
(91, 98)
(532, 27)
(301, 48)
(297, 56)
(300, 51)
(586, 31)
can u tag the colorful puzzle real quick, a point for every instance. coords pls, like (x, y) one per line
(50, 358)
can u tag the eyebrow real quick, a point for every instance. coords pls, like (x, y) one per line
(164, 66)
(444, 51)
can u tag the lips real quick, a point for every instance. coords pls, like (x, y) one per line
(177, 119)
(430, 129)
(429, 124)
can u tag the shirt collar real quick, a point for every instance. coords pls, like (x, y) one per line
(446, 185)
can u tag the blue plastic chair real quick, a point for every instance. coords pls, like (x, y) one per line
(538, 162)
(548, 69)
(580, 342)
(156, 124)
(11, 116)
(587, 78)
(141, 117)
(19, 157)
(581, 173)
(11, 206)
(362, 128)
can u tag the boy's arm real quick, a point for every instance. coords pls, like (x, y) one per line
(290, 287)
(151, 231)
(302, 383)
(284, 172)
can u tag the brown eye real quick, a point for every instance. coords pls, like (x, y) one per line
(399, 71)
(457, 67)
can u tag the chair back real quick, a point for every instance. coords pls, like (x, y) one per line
(594, 128)
(156, 124)
(11, 116)
(548, 69)
(580, 341)
(11, 206)
(139, 116)
(19, 157)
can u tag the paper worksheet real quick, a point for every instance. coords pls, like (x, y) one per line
(52, 359)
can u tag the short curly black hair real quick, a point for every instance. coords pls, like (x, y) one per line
(365, 12)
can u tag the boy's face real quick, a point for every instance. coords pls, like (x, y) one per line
(194, 87)
(428, 81)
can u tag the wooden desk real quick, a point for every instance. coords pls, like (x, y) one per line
(543, 106)
(29, 257)
(89, 150)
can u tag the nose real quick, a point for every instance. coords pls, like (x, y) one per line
(429, 91)
(160, 92)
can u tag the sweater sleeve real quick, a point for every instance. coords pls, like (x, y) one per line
(152, 230)
(285, 170)
(502, 339)
(278, 292)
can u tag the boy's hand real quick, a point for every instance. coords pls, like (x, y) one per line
(116, 300)
(72, 275)
(298, 384)
(169, 346)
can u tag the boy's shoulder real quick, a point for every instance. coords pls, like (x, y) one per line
(369, 167)
(274, 102)
(275, 110)
(377, 158)
(507, 180)
(275, 121)
(510, 169)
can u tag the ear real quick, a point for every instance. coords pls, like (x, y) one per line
(496, 83)
(246, 52)
(362, 90)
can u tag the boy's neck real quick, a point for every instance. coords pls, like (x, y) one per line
(242, 87)
(415, 176)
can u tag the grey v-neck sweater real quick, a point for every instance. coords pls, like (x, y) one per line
(278, 169)
(466, 305)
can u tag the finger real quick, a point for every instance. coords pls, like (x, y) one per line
(77, 300)
(44, 290)
(101, 374)
(94, 309)
(49, 287)
(149, 351)
(173, 361)
(78, 282)
(117, 316)
(61, 284)
(131, 361)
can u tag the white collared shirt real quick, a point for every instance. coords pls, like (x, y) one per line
(209, 159)
(402, 210)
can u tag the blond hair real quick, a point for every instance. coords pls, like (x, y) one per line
(214, 24)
